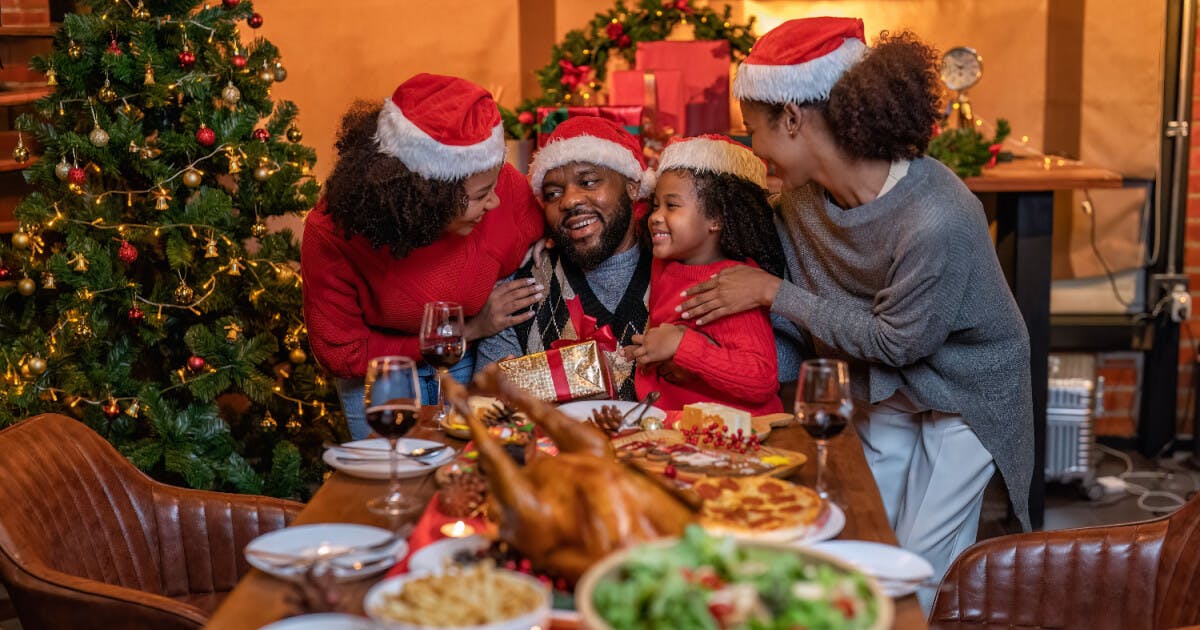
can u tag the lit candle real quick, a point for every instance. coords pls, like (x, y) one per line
(457, 529)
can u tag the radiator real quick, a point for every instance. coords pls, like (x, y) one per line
(1071, 405)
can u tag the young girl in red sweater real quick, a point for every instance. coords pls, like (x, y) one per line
(710, 213)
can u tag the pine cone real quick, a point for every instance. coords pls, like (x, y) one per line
(608, 419)
(498, 414)
(463, 495)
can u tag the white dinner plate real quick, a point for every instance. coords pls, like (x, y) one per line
(378, 466)
(797, 535)
(323, 621)
(899, 571)
(304, 542)
(432, 558)
(582, 409)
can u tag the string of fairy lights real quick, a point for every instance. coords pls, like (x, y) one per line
(73, 323)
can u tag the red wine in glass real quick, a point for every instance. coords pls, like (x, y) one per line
(442, 352)
(822, 424)
(394, 418)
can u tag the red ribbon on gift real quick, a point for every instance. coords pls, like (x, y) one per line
(585, 328)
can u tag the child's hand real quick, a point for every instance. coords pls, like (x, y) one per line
(658, 344)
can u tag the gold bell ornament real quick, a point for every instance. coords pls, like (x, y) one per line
(149, 78)
(210, 249)
(235, 267)
(162, 198)
(51, 77)
(78, 262)
(49, 281)
(184, 293)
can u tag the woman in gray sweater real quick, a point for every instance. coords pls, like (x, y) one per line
(892, 269)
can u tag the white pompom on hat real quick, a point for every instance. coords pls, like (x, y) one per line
(442, 128)
(714, 153)
(800, 60)
(592, 140)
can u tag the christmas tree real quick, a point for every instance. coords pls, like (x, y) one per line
(143, 293)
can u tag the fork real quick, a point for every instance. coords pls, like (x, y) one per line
(286, 559)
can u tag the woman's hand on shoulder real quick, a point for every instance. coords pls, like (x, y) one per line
(732, 290)
(508, 305)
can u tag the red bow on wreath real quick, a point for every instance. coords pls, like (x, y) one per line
(682, 5)
(573, 75)
(995, 151)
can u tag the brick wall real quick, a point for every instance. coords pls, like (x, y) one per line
(24, 12)
(1191, 266)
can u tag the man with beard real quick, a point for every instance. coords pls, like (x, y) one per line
(588, 177)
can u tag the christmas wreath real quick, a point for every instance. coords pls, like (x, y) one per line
(578, 64)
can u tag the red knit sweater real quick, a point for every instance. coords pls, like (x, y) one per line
(736, 367)
(361, 303)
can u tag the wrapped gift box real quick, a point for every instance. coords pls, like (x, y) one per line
(628, 116)
(569, 372)
(660, 92)
(705, 69)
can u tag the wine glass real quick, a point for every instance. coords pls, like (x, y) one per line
(823, 406)
(442, 345)
(393, 401)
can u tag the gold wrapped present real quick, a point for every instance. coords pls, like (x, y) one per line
(561, 374)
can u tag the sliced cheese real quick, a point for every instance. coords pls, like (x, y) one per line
(705, 412)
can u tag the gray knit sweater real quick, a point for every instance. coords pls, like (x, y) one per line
(908, 288)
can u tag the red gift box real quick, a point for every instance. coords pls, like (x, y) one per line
(628, 116)
(660, 92)
(705, 69)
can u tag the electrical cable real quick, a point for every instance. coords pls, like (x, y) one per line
(1090, 210)
(1145, 494)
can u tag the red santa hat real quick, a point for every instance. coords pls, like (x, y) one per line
(714, 153)
(800, 60)
(592, 140)
(442, 128)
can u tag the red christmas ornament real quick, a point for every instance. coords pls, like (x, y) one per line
(624, 42)
(231, 4)
(615, 30)
(136, 316)
(5, 273)
(187, 59)
(239, 61)
(254, 20)
(525, 118)
(114, 48)
(262, 135)
(127, 253)
(76, 175)
(205, 136)
(195, 363)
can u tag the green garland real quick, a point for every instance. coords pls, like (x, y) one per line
(966, 151)
(581, 59)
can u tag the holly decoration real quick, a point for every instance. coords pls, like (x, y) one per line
(195, 363)
(127, 253)
(966, 151)
(205, 136)
(136, 315)
(255, 20)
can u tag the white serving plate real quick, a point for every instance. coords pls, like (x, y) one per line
(379, 467)
(582, 409)
(306, 542)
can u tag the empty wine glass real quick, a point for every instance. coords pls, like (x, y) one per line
(823, 406)
(393, 402)
(442, 345)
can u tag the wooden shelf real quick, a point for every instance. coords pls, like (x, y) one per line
(12, 98)
(29, 31)
(9, 164)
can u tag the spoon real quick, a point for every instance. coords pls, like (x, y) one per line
(645, 403)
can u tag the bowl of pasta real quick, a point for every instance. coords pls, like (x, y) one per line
(478, 597)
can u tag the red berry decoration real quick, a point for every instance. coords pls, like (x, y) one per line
(231, 4)
(669, 471)
(187, 59)
(206, 136)
(254, 20)
(239, 61)
(127, 253)
(114, 48)
(195, 363)
(76, 175)
(136, 315)
(262, 135)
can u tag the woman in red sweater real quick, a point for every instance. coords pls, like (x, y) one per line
(420, 207)
(710, 213)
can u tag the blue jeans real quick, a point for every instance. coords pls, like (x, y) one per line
(350, 390)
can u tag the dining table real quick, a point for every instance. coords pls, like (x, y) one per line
(260, 599)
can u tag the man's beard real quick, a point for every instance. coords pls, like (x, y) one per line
(610, 237)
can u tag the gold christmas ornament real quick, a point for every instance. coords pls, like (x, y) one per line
(74, 50)
(98, 137)
(162, 198)
(262, 172)
(280, 73)
(235, 267)
(82, 330)
(20, 239)
(107, 94)
(37, 365)
(259, 229)
(266, 75)
(62, 169)
(78, 262)
(149, 78)
(294, 135)
(111, 408)
(210, 249)
(49, 281)
(26, 373)
(297, 356)
(51, 77)
(230, 94)
(268, 423)
(192, 177)
(235, 161)
(184, 293)
(20, 152)
(26, 286)
(131, 112)
(141, 12)
(133, 408)
(232, 331)
(293, 425)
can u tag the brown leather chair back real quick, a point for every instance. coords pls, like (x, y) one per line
(1178, 583)
(87, 540)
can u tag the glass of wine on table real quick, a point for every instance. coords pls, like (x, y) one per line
(442, 345)
(393, 401)
(823, 407)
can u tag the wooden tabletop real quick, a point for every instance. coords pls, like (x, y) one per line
(259, 599)
(1040, 175)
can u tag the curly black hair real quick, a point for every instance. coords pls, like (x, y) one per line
(745, 216)
(376, 195)
(884, 106)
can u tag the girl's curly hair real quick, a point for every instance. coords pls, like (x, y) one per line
(376, 195)
(745, 216)
(884, 106)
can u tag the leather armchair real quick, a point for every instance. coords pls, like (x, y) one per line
(1137, 576)
(88, 541)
